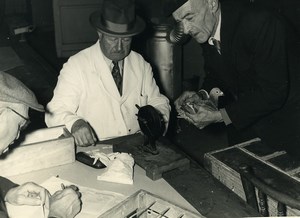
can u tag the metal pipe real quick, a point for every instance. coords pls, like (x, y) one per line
(166, 60)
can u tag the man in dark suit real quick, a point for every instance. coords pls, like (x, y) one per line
(255, 66)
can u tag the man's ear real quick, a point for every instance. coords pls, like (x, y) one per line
(213, 5)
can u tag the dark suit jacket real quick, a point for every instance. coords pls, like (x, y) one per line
(257, 71)
(5, 185)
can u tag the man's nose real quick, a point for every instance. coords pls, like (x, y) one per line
(185, 27)
(119, 45)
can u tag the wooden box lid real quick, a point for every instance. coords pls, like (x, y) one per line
(40, 149)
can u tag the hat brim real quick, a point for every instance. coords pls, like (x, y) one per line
(95, 20)
(35, 106)
(169, 6)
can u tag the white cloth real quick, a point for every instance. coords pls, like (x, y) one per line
(119, 170)
(26, 211)
(86, 90)
(91, 199)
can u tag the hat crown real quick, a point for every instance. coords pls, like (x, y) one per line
(117, 18)
(119, 11)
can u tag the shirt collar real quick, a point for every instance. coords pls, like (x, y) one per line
(110, 64)
(217, 34)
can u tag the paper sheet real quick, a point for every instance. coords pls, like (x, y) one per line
(94, 202)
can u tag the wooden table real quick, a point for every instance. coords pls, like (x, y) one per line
(84, 175)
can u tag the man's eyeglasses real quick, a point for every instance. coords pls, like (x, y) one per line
(25, 118)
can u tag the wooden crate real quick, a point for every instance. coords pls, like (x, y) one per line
(40, 149)
(145, 204)
(275, 168)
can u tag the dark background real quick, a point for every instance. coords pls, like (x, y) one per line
(46, 16)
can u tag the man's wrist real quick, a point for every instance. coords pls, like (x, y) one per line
(53, 215)
(219, 117)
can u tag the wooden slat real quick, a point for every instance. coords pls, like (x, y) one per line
(146, 204)
(223, 164)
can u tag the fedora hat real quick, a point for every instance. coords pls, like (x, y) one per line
(117, 18)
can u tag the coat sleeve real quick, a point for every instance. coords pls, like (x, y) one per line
(5, 185)
(155, 98)
(61, 110)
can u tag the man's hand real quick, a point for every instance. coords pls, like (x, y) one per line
(65, 203)
(204, 116)
(185, 98)
(83, 133)
(28, 194)
(197, 108)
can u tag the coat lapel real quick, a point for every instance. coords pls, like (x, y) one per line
(130, 78)
(104, 73)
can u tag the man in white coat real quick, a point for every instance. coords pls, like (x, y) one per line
(88, 99)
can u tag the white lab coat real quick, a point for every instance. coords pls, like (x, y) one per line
(86, 90)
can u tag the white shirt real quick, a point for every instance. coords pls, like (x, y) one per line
(111, 65)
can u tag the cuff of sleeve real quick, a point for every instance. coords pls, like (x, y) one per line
(225, 116)
(70, 123)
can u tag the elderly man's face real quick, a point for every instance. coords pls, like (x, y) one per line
(199, 18)
(11, 123)
(115, 48)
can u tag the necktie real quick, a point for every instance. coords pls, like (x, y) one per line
(117, 76)
(217, 45)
